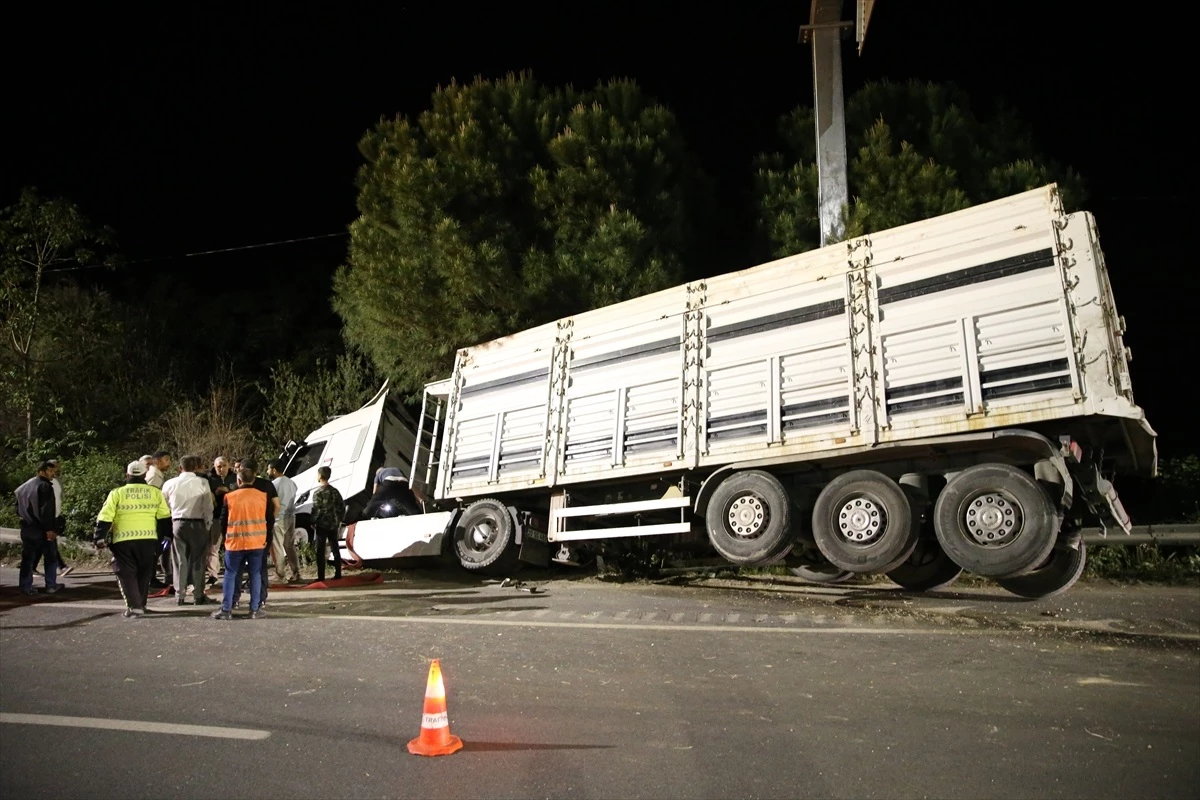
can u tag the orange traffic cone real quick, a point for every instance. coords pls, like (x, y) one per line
(435, 738)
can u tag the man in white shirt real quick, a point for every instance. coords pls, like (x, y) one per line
(190, 499)
(283, 541)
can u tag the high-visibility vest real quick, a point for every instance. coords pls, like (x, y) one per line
(134, 510)
(246, 523)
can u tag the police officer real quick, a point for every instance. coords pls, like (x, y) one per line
(132, 521)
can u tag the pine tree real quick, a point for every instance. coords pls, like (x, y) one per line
(505, 205)
(915, 150)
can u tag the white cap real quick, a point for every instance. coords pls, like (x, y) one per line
(135, 469)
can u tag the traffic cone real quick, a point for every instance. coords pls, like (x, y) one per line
(435, 738)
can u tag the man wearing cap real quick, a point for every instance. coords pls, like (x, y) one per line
(132, 521)
(191, 503)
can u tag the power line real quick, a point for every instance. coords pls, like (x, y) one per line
(209, 252)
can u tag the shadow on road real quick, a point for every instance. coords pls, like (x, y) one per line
(77, 623)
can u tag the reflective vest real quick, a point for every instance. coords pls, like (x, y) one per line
(246, 520)
(134, 510)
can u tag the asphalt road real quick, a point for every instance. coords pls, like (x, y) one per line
(595, 690)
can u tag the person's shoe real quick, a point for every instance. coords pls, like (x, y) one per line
(132, 613)
(29, 592)
(210, 581)
(260, 614)
(53, 589)
(179, 600)
(204, 601)
(222, 614)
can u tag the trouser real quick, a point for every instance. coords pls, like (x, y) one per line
(263, 577)
(215, 539)
(329, 535)
(283, 546)
(235, 561)
(189, 548)
(134, 562)
(35, 545)
(164, 560)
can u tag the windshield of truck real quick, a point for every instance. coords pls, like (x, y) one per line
(305, 459)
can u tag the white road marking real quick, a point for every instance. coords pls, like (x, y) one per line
(625, 626)
(133, 725)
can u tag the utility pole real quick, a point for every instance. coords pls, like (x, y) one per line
(824, 32)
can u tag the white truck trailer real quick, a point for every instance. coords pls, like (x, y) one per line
(950, 394)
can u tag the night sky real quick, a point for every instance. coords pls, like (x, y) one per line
(220, 127)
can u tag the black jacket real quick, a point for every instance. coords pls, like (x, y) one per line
(35, 506)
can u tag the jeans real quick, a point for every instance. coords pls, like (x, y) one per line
(235, 560)
(33, 547)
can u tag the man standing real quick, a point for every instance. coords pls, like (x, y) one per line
(132, 521)
(35, 507)
(246, 511)
(191, 503)
(156, 474)
(156, 468)
(328, 509)
(221, 480)
(60, 522)
(284, 543)
(263, 576)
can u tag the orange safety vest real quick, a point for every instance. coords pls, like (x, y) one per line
(246, 526)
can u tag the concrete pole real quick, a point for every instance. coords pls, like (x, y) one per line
(829, 112)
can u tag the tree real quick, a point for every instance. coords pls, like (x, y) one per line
(39, 237)
(505, 205)
(915, 150)
(297, 402)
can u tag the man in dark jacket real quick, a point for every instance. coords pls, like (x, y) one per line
(36, 508)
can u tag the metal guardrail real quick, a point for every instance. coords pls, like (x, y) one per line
(1141, 534)
(1145, 534)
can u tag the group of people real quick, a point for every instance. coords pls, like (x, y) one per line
(182, 524)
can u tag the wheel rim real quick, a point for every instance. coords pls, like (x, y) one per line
(747, 516)
(992, 519)
(861, 519)
(478, 538)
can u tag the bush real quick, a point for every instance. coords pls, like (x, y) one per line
(1144, 562)
(86, 481)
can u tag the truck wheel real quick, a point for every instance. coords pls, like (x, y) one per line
(483, 537)
(1057, 575)
(927, 569)
(863, 522)
(995, 520)
(749, 519)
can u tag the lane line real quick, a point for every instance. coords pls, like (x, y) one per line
(136, 726)
(636, 626)
(1031, 626)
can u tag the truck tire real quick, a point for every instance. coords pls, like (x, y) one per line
(927, 569)
(483, 537)
(863, 522)
(996, 521)
(1057, 575)
(749, 519)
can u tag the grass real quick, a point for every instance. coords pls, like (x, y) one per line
(1146, 563)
